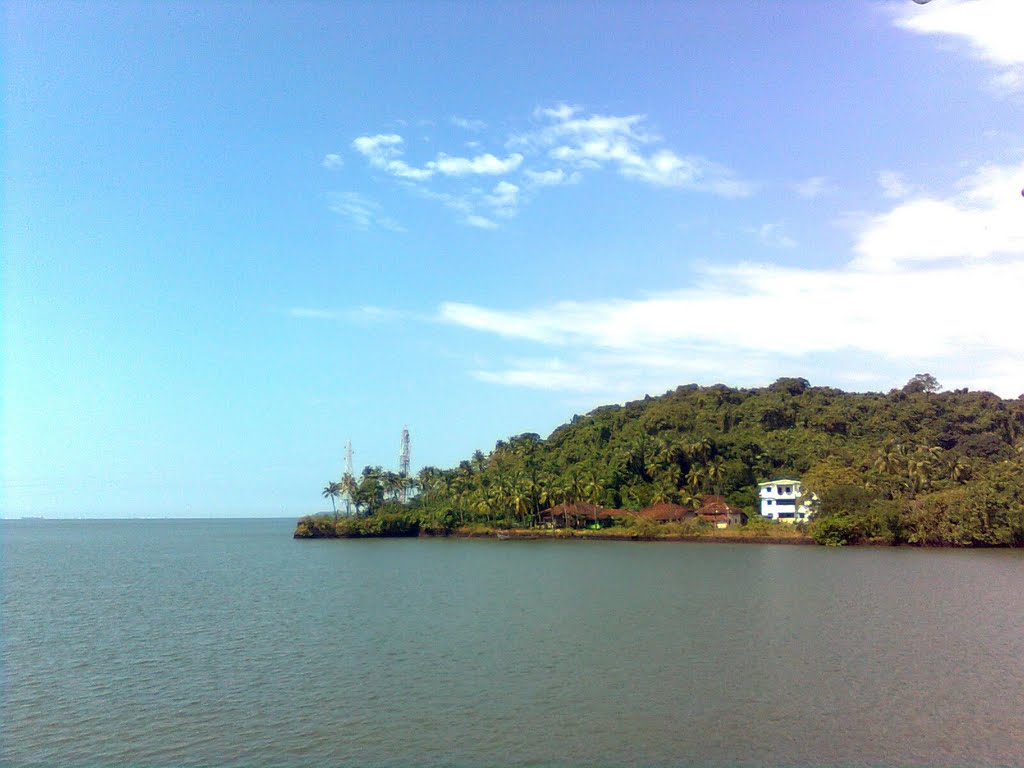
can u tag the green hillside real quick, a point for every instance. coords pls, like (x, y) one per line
(913, 466)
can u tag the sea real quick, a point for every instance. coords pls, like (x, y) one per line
(228, 643)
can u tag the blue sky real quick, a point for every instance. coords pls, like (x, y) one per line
(237, 235)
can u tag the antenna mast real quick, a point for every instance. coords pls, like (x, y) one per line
(403, 462)
(350, 479)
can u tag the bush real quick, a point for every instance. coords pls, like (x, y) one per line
(315, 527)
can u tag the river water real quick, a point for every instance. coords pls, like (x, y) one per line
(227, 643)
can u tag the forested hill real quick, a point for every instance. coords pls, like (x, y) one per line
(914, 465)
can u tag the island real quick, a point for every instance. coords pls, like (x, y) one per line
(787, 463)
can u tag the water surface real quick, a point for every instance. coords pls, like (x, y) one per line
(227, 643)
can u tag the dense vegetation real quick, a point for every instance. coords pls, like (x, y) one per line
(914, 466)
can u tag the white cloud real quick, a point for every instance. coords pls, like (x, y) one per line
(551, 178)
(623, 143)
(332, 162)
(504, 199)
(956, 313)
(362, 213)
(985, 219)
(468, 125)
(893, 184)
(992, 28)
(481, 164)
(384, 151)
(548, 374)
(480, 222)
(774, 235)
(563, 143)
(814, 187)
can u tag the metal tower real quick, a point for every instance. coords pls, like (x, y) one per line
(403, 462)
(348, 474)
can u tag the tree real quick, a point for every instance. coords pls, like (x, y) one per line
(922, 383)
(332, 491)
(714, 471)
(349, 489)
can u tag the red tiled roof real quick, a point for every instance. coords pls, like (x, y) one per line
(666, 512)
(578, 509)
(715, 508)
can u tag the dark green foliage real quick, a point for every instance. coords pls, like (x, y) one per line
(382, 524)
(315, 527)
(915, 465)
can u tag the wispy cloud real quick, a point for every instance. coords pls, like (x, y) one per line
(562, 145)
(774, 235)
(894, 185)
(467, 124)
(623, 143)
(385, 151)
(814, 187)
(486, 164)
(362, 212)
(332, 162)
(551, 178)
(480, 222)
(992, 29)
(955, 312)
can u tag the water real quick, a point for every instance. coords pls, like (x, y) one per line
(226, 643)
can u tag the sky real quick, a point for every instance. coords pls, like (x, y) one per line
(237, 235)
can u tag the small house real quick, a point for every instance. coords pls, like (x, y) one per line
(715, 511)
(574, 515)
(667, 513)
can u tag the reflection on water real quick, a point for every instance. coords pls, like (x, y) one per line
(228, 643)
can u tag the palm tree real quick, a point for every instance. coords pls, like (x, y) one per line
(687, 499)
(715, 471)
(479, 461)
(593, 487)
(695, 477)
(662, 494)
(348, 490)
(392, 484)
(332, 491)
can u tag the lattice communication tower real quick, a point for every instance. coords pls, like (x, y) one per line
(403, 461)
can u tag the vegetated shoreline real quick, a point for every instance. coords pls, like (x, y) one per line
(561, 534)
(780, 535)
(916, 466)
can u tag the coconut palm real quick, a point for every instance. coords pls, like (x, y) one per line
(593, 487)
(348, 490)
(695, 477)
(715, 470)
(332, 491)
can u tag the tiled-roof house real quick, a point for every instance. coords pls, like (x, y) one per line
(716, 511)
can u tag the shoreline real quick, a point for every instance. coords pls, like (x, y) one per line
(709, 538)
(560, 534)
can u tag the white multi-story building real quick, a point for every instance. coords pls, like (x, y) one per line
(783, 500)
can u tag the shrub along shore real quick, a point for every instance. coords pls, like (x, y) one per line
(398, 525)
